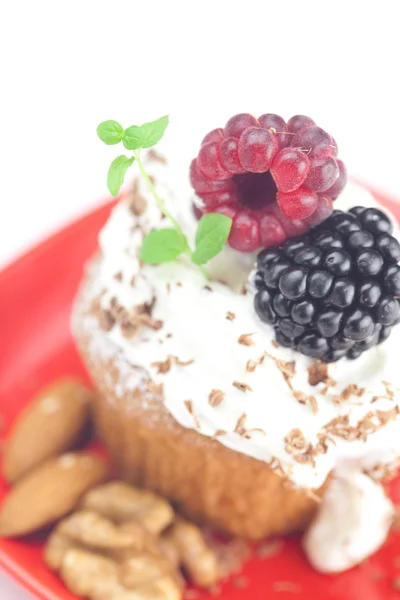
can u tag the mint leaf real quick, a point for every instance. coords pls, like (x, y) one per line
(162, 245)
(110, 132)
(116, 173)
(133, 137)
(212, 233)
(153, 132)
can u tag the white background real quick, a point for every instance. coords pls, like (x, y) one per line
(66, 66)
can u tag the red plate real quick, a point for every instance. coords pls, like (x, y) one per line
(36, 347)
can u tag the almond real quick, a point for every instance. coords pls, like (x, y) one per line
(50, 425)
(49, 492)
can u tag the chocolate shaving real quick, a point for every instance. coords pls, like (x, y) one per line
(388, 415)
(277, 467)
(322, 446)
(182, 363)
(247, 432)
(306, 458)
(240, 422)
(189, 406)
(389, 392)
(162, 366)
(245, 339)
(298, 447)
(129, 329)
(149, 322)
(130, 325)
(350, 390)
(165, 365)
(275, 344)
(287, 369)
(216, 397)
(155, 156)
(208, 288)
(106, 320)
(252, 364)
(242, 386)
(219, 432)
(371, 422)
(295, 441)
(137, 203)
(118, 276)
(307, 400)
(118, 311)
(318, 373)
(230, 316)
(243, 291)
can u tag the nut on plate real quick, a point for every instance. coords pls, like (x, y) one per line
(121, 502)
(196, 556)
(50, 425)
(120, 545)
(49, 492)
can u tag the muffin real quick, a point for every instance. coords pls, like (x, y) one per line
(207, 394)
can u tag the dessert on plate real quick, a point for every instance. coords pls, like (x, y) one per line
(252, 382)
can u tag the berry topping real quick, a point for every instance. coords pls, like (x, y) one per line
(275, 179)
(334, 292)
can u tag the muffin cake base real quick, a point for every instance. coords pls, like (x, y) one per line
(207, 481)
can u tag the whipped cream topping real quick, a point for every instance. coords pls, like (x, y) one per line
(353, 521)
(202, 323)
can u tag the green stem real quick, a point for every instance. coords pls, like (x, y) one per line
(159, 201)
(164, 210)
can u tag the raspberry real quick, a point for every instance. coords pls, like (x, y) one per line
(275, 179)
(314, 141)
(257, 148)
(237, 124)
(209, 162)
(334, 292)
(299, 122)
(322, 174)
(290, 169)
(214, 136)
(299, 204)
(245, 233)
(277, 125)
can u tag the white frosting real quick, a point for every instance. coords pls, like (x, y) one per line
(196, 318)
(352, 523)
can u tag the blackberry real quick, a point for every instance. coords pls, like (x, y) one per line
(334, 292)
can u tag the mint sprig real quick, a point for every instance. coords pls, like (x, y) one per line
(116, 173)
(212, 233)
(163, 245)
(110, 132)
